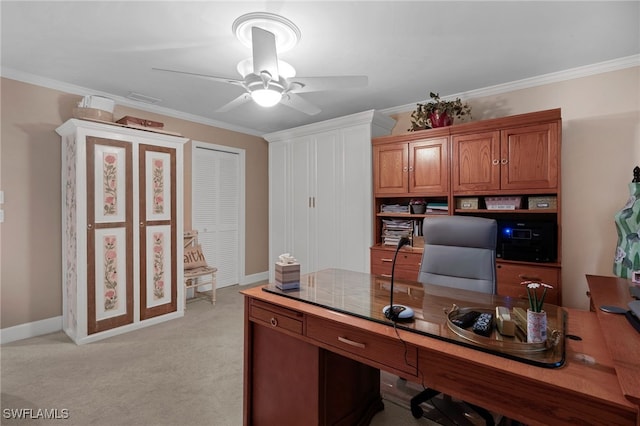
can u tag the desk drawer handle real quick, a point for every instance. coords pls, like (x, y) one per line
(351, 342)
(274, 322)
(385, 275)
(384, 259)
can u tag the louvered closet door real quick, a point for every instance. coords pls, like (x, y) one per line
(216, 203)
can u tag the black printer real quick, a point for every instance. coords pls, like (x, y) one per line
(529, 241)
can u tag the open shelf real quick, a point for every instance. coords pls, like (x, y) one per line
(527, 211)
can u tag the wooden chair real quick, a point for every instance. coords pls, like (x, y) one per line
(200, 275)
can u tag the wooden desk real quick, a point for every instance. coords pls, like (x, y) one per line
(622, 339)
(306, 364)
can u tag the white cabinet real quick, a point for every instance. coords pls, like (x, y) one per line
(320, 192)
(122, 228)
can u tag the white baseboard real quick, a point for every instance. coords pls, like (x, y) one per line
(30, 329)
(254, 278)
(51, 325)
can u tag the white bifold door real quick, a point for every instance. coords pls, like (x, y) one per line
(216, 211)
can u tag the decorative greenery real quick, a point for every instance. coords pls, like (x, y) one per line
(418, 202)
(535, 302)
(420, 117)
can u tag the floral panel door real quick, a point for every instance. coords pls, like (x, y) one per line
(158, 238)
(109, 234)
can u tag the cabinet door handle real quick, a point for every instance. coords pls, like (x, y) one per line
(385, 275)
(404, 169)
(309, 202)
(504, 161)
(386, 259)
(410, 169)
(314, 202)
(351, 342)
(495, 162)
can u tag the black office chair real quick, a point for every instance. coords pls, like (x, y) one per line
(459, 252)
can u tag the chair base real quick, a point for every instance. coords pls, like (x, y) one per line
(428, 394)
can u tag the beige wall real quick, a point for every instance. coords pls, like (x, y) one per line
(30, 170)
(600, 147)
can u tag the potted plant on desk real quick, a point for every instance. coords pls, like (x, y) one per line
(536, 316)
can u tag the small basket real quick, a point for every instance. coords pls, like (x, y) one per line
(470, 203)
(503, 203)
(543, 203)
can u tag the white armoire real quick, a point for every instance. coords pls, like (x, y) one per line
(320, 192)
(122, 208)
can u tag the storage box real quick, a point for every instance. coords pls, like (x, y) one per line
(503, 203)
(470, 203)
(140, 122)
(92, 114)
(543, 203)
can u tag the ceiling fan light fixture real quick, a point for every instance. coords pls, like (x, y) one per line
(287, 34)
(266, 97)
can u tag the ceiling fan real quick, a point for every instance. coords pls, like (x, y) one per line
(265, 78)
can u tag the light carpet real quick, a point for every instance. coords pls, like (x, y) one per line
(186, 371)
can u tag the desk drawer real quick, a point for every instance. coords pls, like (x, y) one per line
(406, 259)
(401, 273)
(276, 317)
(407, 263)
(509, 277)
(386, 351)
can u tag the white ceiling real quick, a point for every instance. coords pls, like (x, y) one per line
(405, 48)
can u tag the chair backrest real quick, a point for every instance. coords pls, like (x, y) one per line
(460, 252)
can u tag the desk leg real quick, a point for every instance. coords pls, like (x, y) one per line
(291, 382)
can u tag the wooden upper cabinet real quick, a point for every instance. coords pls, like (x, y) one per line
(519, 158)
(428, 170)
(529, 157)
(476, 162)
(390, 168)
(419, 167)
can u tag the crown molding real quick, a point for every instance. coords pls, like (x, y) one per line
(120, 100)
(380, 124)
(555, 77)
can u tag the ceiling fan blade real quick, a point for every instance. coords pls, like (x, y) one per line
(297, 102)
(245, 97)
(319, 84)
(205, 76)
(265, 57)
